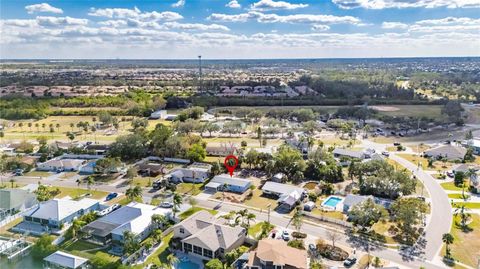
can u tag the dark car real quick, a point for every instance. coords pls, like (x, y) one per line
(312, 248)
(111, 195)
(349, 262)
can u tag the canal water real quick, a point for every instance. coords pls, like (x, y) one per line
(26, 262)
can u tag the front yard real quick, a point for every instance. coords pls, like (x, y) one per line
(466, 246)
(259, 201)
(189, 188)
(77, 192)
(192, 210)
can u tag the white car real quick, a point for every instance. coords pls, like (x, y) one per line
(385, 153)
(286, 235)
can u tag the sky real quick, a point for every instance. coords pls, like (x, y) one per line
(238, 29)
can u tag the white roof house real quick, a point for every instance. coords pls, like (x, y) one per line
(58, 164)
(60, 259)
(59, 209)
(134, 217)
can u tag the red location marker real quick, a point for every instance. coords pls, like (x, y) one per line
(231, 163)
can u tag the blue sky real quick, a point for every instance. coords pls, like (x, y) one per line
(157, 29)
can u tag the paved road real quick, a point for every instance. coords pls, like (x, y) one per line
(441, 217)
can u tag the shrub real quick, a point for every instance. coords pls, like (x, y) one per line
(296, 244)
(332, 252)
(299, 235)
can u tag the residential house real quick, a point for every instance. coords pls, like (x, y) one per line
(276, 254)
(352, 200)
(54, 214)
(150, 169)
(474, 144)
(14, 200)
(302, 146)
(279, 177)
(201, 236)
(449, 152)
(61, 165)
(465, 168)
(226, 183)
(475, 182)
(97, 149)
(222, 150)
(288, 195)
(195, 173)
(134, 217)
(340, 152)
(63, 260)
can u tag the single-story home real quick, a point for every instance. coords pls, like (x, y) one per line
(272, 253)
(352, 200)
(150, 168)
(57, 212)
(288, 195)
(63, 260)
(474, 144)
(195, 173)
(449, 152)
(14, 200)
(279, 177)
(475, 182)
(134, 217)
(201, 236)
(226, 183)
(340, 152)
(61, 165)
(222, 150)
(97, 149)
(465, 168)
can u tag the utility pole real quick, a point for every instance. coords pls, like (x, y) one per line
(268, 219)
(200, 72)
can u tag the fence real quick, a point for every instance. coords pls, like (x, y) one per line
(328, 219)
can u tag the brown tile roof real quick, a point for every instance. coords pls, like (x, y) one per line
(279, 253)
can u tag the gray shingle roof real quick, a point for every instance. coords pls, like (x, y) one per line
(284, 189)
(448, 151)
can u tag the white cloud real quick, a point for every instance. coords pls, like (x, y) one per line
(274, 18)
(196, 26)
(381, 4)
(115, 12)
(113, 23)
(179, 3)
(43, 7)
(320, 27)
(60, 21)
(394, 25)
(20, 23)
(264, 5)
(125, 13)
(233, 4)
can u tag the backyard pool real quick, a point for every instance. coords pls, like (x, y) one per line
(186, 265)
(331, 202)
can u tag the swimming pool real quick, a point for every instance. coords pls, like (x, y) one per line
(186, 265)
(331, 202)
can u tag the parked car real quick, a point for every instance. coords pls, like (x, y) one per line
(396, 144)
(385, 153)
(166, 204)
(110, 196)
(286, 235)
(115, 207)
(450, 174)
(349, 262)
(312, 248)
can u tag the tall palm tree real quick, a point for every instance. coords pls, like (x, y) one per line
(448, 239)
(177, 202)
(36, 126)
(159, 221)
(90, 181)
(172, 260)
(462, 210)
(30, 126)
(297, 219)
(134, 193)
(77, 225)
(12, 181)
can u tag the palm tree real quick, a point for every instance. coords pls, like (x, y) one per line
(43, 126)
(72, 125)
(177, 202)
(21, 126)
(12, 181)
(462, 210)
(77, 225)
(159, 221)
(172, 260)
(134, 193)
(90, 181)
(157, 235)
(448, 239)
(58, 126)
(297, 219)
(30, 126)
(36, 126)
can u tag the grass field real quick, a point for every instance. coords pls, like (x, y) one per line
(260, 202)
(466, 246)
(189, 188)
(86, 250)
(437, 165)
(450, 186)
(76, 192)
(193, 210)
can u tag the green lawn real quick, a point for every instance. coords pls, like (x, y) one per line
(189, 188)
(86, 250)
(255, 229)
(194, 210)
(455, 195)
(466, 245)
(143, 181)
(450, 186)
(159, 257)
(260, 202)
(467, 205)
(76, 192)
